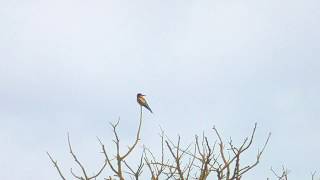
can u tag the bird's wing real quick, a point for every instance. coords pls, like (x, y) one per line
(142, 101)
(146, 105)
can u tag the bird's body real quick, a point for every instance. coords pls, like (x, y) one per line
(142, 101)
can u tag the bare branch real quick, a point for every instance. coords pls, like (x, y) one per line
(283, 175)
(107, 157)
(76, 159)
(55, 163)
(137, 137)
(139, 170)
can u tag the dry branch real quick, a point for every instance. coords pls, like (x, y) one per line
(202, 159)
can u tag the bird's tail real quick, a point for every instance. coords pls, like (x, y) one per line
(147, 106)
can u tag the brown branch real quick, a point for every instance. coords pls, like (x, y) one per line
(244, 170)
(79, 163)
(225, 161)
(55, 163)
(100, 171)
(191, 164)
(224, 170)
(117, 169)
(137, 137)
(76, 176)
(76, 159)
(283, 175)
(177, 158)
(107, 157)
(139, 170)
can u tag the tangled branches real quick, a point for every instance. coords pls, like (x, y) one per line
(200, 159)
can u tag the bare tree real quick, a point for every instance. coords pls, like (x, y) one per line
(204, 158)
(230, 167)
(119, 159)
(200, 159)
(84, 175)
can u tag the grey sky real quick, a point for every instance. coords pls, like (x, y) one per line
(74, 65)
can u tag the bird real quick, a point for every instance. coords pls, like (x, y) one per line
(142, 101)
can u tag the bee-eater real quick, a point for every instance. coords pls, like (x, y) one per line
(142, 101)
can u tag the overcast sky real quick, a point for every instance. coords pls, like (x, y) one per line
(74, 65)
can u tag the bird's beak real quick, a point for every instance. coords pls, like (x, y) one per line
(143, 95)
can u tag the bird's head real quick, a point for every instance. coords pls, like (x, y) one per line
(140, 95)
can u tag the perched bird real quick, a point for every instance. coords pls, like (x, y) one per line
(142, 101)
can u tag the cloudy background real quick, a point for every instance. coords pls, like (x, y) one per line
(74, 65)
